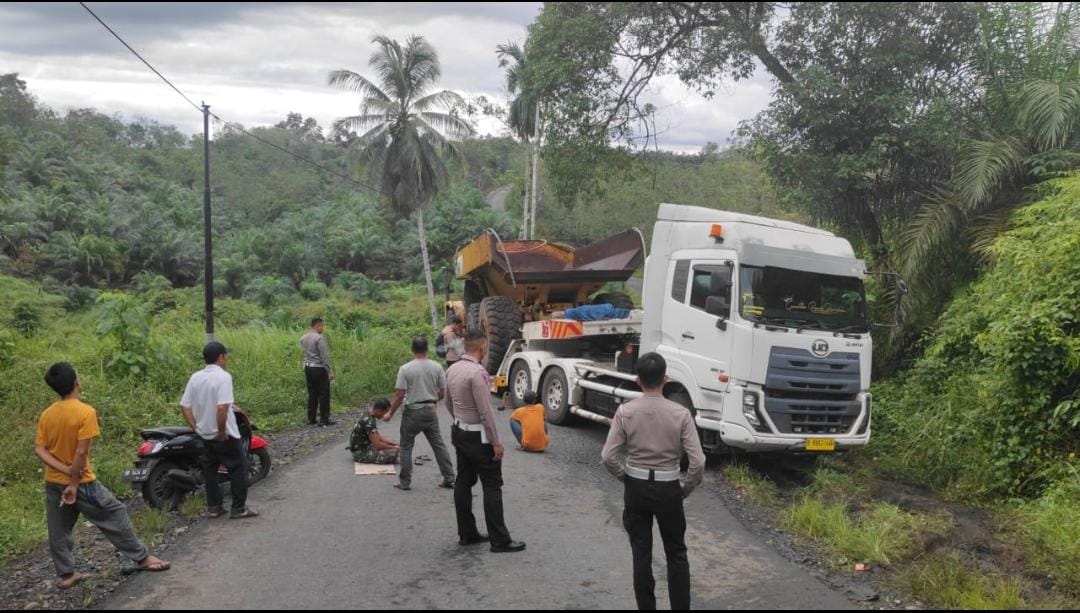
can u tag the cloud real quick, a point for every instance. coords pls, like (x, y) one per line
(254, 63)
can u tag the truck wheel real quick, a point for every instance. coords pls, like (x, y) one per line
(472, 316)
(520, 382)
(500, 320)
(683, 397)
(555, 394)
(619, 300)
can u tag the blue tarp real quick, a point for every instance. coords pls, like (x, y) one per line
(596, 312)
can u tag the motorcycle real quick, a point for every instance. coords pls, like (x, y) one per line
(168, 467)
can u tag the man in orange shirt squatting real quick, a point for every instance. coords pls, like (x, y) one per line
(64, 433)
(529, 425)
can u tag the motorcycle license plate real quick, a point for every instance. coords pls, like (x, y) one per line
(820, 444)
(136, 475)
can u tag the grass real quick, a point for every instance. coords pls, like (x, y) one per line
(1048, 530)
(367, 343)
(836, 509)
(752, 484)
(949, 581)
(150, 524)
(192, 506)
(877, 534)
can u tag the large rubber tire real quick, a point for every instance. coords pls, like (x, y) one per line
(472, 316)
(683, 397)
(619, 300)
(520, 381)
(157, 491)
(258, 465)
(555, 394)
(500, 320)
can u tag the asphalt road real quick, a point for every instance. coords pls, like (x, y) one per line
(329, 539)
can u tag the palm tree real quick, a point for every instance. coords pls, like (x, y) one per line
(524, 120)
(405, 129)
(1030, 131)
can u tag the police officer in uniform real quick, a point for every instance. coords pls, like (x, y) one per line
(479, 452)
(655, 433)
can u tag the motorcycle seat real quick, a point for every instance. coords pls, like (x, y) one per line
(166, 432)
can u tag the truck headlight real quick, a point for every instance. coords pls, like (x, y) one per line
(749, 408)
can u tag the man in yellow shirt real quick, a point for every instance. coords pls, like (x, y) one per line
(529, 425)
(64, 433)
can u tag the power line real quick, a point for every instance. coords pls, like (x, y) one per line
(136, 53)
(238, 127)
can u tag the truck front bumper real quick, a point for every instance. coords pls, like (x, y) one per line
(739, 437)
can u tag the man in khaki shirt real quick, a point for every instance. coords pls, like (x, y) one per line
(655, 433)
(479, 452)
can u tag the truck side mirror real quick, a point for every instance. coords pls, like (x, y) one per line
(720, 280)
(718, 305)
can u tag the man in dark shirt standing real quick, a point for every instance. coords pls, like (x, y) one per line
(479, 452)
(655, 433)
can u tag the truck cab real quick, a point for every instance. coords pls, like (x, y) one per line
(764, 326)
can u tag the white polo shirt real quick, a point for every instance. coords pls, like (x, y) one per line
(206, 389)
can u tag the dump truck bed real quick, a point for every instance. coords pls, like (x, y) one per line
(536, 261)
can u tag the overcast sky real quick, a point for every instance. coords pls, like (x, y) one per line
(255, 62)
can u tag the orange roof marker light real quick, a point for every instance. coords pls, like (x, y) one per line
(717, 231)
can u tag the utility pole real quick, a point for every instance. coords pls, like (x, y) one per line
(208, 250)
(536, 154)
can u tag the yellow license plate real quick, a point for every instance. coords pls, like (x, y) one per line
(820, 444)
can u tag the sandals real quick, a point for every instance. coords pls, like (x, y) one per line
(421, 459)
(155, 567)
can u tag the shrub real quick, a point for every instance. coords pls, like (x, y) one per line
(991, 409)
(26, 318)
(313, 289)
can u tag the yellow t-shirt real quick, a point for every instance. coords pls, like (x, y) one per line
(531, 418)
(59, 429)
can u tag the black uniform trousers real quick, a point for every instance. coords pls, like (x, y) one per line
(232, 454)
(318, 392)
(476, 460)
(664, 501)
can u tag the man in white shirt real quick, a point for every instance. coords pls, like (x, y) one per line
(208, 408)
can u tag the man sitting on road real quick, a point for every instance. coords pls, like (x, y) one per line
(528, 424)
(366, 444)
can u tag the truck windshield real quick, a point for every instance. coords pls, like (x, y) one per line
(801, 299)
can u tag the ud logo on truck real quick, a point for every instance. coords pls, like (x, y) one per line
(820, 348)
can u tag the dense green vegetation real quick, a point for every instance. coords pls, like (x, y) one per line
(996, 388)
(135, 351)
(89, 201)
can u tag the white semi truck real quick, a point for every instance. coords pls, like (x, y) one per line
(763, 324)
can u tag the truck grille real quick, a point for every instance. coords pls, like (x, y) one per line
(805, 394)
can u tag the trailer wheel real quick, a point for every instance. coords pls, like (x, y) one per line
(520, 382)
(500, 320)
(619, 300)
(555, 394)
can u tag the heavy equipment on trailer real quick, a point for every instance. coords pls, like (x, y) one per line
(763, 323)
